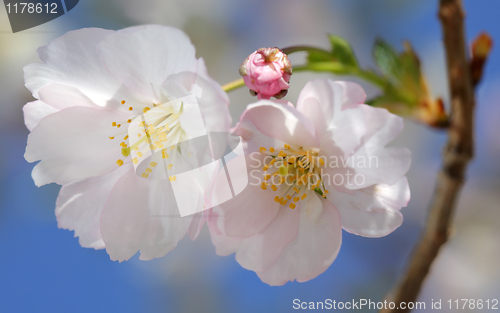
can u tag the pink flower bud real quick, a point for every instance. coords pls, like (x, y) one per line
(267, 73)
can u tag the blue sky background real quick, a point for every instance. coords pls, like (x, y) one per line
(44, 269)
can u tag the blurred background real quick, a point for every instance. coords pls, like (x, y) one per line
(44, 269)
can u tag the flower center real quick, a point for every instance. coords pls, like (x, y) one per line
(291, 172)
(151, 132)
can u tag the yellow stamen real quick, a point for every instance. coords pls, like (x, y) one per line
(292, 206)
(119, 162)
(262, 149)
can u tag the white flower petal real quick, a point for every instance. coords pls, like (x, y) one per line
(35, 111)
(74, 144)
(333, 107)
(382, 126)
(382, 165)
(251, 210)
(282, 122)
(73, 60)
(139, 215)
(212, 100)
(165, 225)
(53, 98)
(80, 203)
(254, 139)
(224, 245)
(372, 211)
(259, 252)
(151, 53)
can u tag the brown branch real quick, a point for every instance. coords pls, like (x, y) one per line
(457, 154)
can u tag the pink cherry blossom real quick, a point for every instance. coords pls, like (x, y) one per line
(267, 73)
(91, 85)
(287, 224)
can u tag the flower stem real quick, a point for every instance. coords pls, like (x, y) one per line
(292, 49)
(340, 69)
(233, 85)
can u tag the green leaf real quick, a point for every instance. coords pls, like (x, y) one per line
(393, 104)
(319, 56)
(333, 67)
(387, 60)
(411, 64)
(342, 51)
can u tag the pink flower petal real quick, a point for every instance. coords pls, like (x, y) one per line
(313, 251)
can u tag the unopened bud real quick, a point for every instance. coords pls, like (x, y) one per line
(267, 73)
(481, 48)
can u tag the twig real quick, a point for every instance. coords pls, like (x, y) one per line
(457, 154)
(233, 85)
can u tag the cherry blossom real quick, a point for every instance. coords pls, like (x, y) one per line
(310, 177)
(92, 86)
